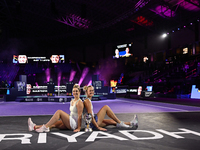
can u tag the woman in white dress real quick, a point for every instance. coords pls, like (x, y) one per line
(61, 119)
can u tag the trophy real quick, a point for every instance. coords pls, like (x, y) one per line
(88, 120)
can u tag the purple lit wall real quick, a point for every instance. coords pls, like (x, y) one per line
(72, 74)
(47, 72)
(107, 69)
(36, 84)
(84, 73)
(59, 77)
(90, 83)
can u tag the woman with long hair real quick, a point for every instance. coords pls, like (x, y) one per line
(98, 121)
(61, 119)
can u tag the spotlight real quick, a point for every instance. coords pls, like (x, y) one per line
(84, 73)
(178, 28)
(184, 26)
(168, 33)
(197, 20)
(172, 30)
(90, 82)
(191, 23)
(72, 74)
(164, 35)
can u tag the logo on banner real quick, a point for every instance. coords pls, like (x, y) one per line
(25, 138)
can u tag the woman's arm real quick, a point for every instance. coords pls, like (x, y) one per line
(87, 105)
(79, 107)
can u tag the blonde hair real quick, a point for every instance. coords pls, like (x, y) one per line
(85, 88)
(77, 86)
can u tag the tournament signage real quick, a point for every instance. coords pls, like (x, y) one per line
(25, 138)
(121, 91)
(147, 94)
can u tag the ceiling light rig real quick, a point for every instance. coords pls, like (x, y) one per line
(75, 21)
(184, 26)
(164, 35)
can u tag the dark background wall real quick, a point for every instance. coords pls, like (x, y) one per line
(142, 45)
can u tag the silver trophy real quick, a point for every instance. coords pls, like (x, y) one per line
(88, 120)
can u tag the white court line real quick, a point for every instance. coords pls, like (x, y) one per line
(157, 106)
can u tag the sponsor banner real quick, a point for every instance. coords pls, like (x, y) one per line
(123, 135)
(121, 91)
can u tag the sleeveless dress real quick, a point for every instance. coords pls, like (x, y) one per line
(73, 118)
(94, 115)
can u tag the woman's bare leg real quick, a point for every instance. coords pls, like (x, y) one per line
(59, 124)
(59, 114)
(107, 122)
(106, 110)
(62, 127)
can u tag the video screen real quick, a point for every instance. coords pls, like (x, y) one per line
(149, 88)
(28, 88)
(195, 93)
(23, 59)
(57, 58)
(123, 50)
(21, 86)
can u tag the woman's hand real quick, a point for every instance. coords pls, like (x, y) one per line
(76, 130)
(102, 129)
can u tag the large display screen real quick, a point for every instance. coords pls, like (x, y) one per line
(123, 50)
(23, 59)
(36, 89)
(195, 93)
(21, 86)
(149, 88)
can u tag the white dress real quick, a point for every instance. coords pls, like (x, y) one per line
(73, 118)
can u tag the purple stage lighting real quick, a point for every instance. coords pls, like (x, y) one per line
(84, 73)
(90, 83)
(72, 75)
(59, 78)
(47, 72)
(163, 11)
(37, 85)
(184, 26)
(191, 6)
